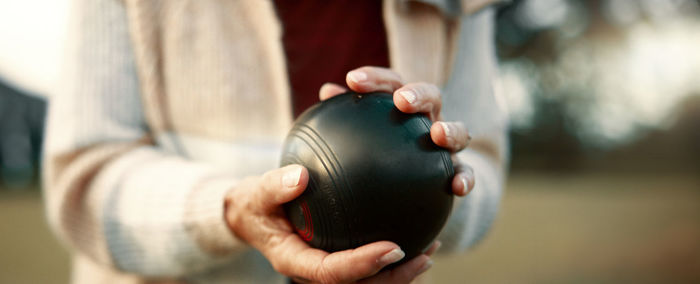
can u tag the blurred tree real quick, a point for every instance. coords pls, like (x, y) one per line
(21, 133)
(589, 82)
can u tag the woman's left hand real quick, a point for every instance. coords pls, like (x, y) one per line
(413, 98)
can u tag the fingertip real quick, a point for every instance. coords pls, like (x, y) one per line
(373, 79)
(367, 260)
(426, 265)
(390, 257)
(463, 182)
(384, 252)
(281, 185)
(295, 177)
(433, 248)
(303, 178)
(460, 185)
(438, 135)
(384, 246)
(329, 90)
(357, 76)
(356, 80)
(404, 99)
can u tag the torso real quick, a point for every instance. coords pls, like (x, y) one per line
(323, 40)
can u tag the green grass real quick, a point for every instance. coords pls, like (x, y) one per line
(566, 229)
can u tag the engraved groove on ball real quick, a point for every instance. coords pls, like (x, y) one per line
(332, 166)
(346, 193)
(383, 152)
(319, 209)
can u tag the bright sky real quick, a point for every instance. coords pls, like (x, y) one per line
(31, 41)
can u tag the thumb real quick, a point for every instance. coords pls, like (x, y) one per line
(282, 185)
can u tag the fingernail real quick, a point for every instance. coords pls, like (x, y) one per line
(469, 176)
(357, 76)
(391, 257)
(465, 185)
(292, 177)
(331, 86)
(446, 128)
(427, 265)
(325, 86)
(409, 96)
(448, 132)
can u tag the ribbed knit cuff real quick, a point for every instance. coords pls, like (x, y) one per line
(205, 220)
(473, 214)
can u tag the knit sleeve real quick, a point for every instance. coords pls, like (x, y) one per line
(470, 96)
(110, 193)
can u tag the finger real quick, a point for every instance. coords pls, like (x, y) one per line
(295, 258)
(281, 185)
(329, 90)
(464, 181)
(419, 97)
(373, 79)
(450, 135)
(433, 248)
(366, 261)
(405, 273)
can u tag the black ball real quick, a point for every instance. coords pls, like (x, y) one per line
(374, 174)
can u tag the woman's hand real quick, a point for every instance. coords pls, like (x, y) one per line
(413, 98)
(254, 214)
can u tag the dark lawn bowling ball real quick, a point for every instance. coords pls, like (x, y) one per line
(375, 175)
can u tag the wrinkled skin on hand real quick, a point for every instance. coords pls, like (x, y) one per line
(254, 211)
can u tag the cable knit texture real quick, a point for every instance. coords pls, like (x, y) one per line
(165, 105)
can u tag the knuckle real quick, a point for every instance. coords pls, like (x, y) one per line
(321, 276)
(266, 177)
(437, 106)
(428, 93)
(427, 88)
(386, 73)
(397, 77)
(456, 127)
(325, 275)
(418, 90)
(245, 191)
(433, 89)
(249, 181)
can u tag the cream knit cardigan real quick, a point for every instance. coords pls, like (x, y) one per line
(165, 105)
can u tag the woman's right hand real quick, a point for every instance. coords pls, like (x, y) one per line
(254, 214)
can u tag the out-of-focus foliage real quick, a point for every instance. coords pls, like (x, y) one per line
(21, 132)
(587, 78)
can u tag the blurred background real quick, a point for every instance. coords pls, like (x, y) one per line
(604, 184)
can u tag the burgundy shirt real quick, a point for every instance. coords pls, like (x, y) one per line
(323, 40)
